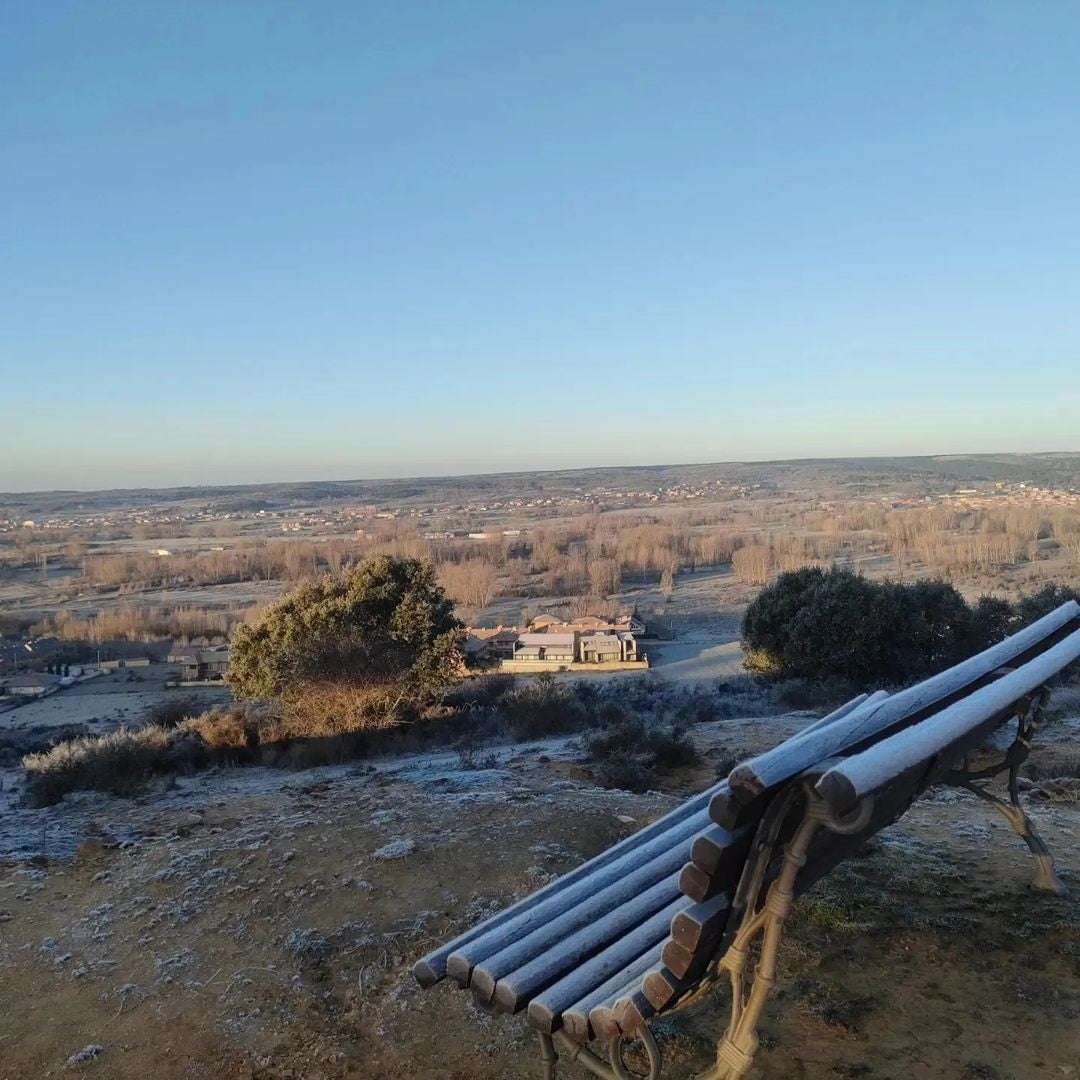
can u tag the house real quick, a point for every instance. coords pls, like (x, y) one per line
(574, 650)
(30, 684)
(125, 662)
(601, 647)
(491, 643)
(553, 649)
(548, 624)
(201, 665)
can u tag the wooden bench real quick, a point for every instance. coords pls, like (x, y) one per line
(662, 917)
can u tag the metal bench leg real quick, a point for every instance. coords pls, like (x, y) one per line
(737, 1049)
(547, 1055)
(581, 1054)
(1046, 878)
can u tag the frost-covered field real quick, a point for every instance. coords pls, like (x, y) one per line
(260, 923)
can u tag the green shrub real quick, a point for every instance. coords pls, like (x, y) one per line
(119, 762)
(382, 623)
(833, 624)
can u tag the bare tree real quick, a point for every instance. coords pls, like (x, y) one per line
(604, 576)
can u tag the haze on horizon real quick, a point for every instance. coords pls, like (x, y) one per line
(264, 242)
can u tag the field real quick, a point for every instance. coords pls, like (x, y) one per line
(102, 703)
(686, 546)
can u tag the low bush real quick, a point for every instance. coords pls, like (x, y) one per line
(542, 708)
(173, 711)
(1064, 704)
(628, 752)
(481, 691)
(334, 722)
(833, 624)
(16, 743)
(119, 762)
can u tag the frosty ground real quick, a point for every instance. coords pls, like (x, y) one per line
(260, 924)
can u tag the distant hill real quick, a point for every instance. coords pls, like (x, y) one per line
(842, 474)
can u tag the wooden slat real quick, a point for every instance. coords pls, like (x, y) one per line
(603, 1020)
(677, 958)
(461, 962)
(699, 886)
(701, 923)
(632, 1012)
(752, 783)
(515, 991)
(429, 969)
(938, 743)
(863, 699)
(661, 986)
(655, 883)
(557, 1008)
(718, 850)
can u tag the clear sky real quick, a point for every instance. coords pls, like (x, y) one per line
(303, 240)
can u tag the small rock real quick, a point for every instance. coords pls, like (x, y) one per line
(87, 1053)
(396, 849)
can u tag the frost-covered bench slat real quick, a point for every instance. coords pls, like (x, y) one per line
(606, 963)
(490, 956)
(523, 980)
(627, 854)
(547, 1011)
(934, 745)
(756, 780)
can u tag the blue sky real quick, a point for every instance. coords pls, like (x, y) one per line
(258, 241)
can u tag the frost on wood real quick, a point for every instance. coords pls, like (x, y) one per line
(874, 767)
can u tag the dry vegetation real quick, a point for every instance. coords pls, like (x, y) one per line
(633, 732)
(582, 560)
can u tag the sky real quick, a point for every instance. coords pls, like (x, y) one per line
(245, 242)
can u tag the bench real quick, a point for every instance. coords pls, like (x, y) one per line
(661, 918)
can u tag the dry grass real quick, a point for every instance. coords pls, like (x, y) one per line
(630, 742)
(119, 763)
(132, 623)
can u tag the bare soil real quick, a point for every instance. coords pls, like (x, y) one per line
(259, 924)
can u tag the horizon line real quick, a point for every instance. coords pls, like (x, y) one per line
(543, 471)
